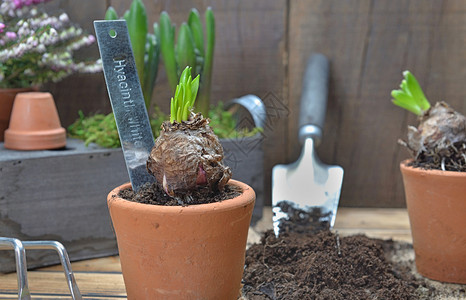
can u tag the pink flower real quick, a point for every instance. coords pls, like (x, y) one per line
(91, 39)
(2, 26)
(18, 3)
(11, 35)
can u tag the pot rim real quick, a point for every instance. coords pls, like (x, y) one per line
(405, 168)
(247, 196)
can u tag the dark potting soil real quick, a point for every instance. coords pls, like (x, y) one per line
(301, 221)
(153, 194)
(322, 266)
(308, 261)
(327, 266)
(451, 159)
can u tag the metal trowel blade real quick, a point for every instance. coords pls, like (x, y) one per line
(305, 185)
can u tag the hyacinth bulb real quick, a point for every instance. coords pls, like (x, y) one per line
(440, 127)
(187, 156)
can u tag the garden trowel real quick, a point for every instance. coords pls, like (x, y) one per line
(308, 184)
(126, 98)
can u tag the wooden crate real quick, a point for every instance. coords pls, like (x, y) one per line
(59, 195)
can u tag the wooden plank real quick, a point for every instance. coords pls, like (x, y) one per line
(382, 223)
(369, 44)
(53, 283)
(367, 218)
(109, 264)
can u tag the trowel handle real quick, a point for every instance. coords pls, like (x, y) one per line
(314, 98)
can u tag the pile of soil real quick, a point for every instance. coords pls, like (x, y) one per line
(327, 266)
(321, 266)
(308, 261)
(154, 194)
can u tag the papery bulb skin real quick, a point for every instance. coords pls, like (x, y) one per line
(440, 127)
(187, 156)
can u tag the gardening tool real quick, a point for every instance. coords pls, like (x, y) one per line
(124, 90)
(308, 183)
(21, 266)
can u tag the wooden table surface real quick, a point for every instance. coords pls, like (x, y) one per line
(101, 278)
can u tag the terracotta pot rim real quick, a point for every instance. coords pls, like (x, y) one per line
(37, 133)
(405, 168)
(38, 94)
(247, 196)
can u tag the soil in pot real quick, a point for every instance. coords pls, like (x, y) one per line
(320, 264)
(450, 159)
(154, 194)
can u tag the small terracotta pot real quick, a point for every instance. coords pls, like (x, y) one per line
(7, 96)
(34, 123)
(182, 252)
(436, 202)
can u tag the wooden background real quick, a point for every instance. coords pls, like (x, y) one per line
(262, 47)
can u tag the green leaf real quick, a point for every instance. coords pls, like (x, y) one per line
(178, 91)
(167, 42)
(404, 87)
(403, 100)
(178, 114)
(151, 64)
(187, 93)
(184, 76)
(172, 109)
(111, 14)
(185, 111)
(203, 102)
(410, 95)
(416, 91)
(185, 55)
(194, 22)
(194, 89)
(136, 19)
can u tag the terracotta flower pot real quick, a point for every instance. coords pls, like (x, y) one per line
(176, 252)
(436, 202)
(7, 96)
(34, 123)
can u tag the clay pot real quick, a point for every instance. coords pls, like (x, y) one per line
(7, 96)
(34, 123)
(436, 202)
(182, 252)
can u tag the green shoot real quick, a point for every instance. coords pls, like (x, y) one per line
(410, 96)
(185, 95)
